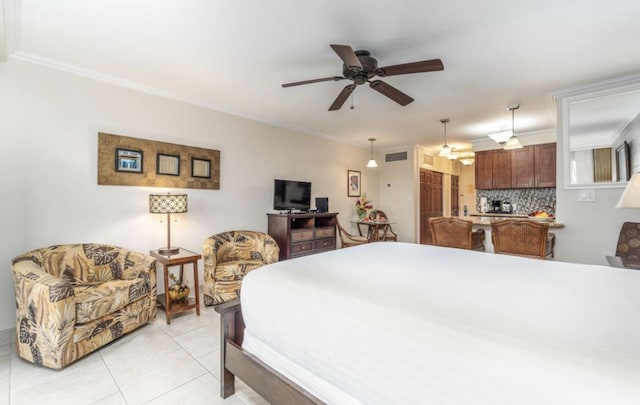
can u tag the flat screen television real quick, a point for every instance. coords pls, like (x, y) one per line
(291, 195)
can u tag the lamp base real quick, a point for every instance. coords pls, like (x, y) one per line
(168, 251)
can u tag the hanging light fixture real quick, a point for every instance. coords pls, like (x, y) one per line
(372, 161)
(467, 159)
(445, 151)
(513, 142)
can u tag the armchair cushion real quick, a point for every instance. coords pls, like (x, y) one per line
(73, 299)
(94, 301)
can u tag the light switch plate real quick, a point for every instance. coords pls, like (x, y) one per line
(587, 195)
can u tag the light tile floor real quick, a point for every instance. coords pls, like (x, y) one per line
(155, 364)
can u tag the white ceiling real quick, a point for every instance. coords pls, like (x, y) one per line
(234, 55)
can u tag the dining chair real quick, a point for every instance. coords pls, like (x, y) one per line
(522, 238)
(347, 239)
(456, 233)
(385, 233)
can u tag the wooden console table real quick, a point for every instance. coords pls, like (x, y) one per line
(181, 258)
(303, 234)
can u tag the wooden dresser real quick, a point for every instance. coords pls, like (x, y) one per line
(303, 234)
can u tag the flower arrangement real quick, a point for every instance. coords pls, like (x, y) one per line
(362, 205)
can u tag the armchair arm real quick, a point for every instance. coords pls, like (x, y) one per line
(45, 315)
(137, 264)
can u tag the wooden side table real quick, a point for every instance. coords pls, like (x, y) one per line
(181, 258)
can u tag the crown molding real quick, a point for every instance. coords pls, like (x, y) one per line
(129, 84)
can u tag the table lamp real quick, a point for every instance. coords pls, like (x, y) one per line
(630, 197)
(168, 204)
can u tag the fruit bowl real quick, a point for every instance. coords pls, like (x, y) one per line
(542, 217)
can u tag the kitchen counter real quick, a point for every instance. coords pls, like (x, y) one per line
(484, 220)
(498, 215)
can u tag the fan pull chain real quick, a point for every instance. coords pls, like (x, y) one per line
(352, 107)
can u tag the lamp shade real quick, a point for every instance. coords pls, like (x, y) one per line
(512, 143)
(167, 203)
(630, 197)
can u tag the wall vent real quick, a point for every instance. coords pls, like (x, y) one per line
(394, 157)
(427, 159)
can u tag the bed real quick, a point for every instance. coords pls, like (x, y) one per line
(399, 323)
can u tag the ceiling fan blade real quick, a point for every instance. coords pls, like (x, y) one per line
(413, 67)
(350, 59)
(324, 79)
(391, 92)
(342, 97)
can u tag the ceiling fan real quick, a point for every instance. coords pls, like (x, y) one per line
(360, 67)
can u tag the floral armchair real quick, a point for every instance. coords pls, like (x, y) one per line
(73, 299)
(228, 257)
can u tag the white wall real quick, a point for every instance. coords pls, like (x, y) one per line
(397, 199)
(48, 185)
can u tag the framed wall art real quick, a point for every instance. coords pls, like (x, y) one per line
(353, 183)
(165, 164)
(200, 168)
(168, 164)
(128, 160)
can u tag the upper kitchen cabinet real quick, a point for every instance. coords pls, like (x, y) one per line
(523, 167)
(484, 170)
(529, 167)
(502, 170)
(545, 165)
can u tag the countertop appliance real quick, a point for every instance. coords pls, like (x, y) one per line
(500, 207)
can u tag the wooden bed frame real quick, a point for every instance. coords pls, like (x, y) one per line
(234, 361)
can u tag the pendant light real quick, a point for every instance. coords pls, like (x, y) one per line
(372, 161)
(445, 151)
(513, 142)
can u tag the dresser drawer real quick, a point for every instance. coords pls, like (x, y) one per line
(299, 235)
(325, 233)
(301, 248)
(324, 244)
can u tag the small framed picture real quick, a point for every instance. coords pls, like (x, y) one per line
(128, 160)
(168, 164)
(201, 168)
(353, 183)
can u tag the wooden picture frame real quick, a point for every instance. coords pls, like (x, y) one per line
(168, 165)
(623, 162)
(200, 168)
(128, 160)
(354, 183)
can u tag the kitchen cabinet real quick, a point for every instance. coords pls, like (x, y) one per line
(484, 170)
(502, 168)
(523, 167)
(545, 157)
(530, 167)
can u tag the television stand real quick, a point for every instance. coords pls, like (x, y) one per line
(301, 234)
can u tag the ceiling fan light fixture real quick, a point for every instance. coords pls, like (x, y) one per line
(372, 162)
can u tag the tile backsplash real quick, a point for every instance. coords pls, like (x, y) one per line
(524, 200)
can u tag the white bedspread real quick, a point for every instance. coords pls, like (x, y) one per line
(397, 323)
